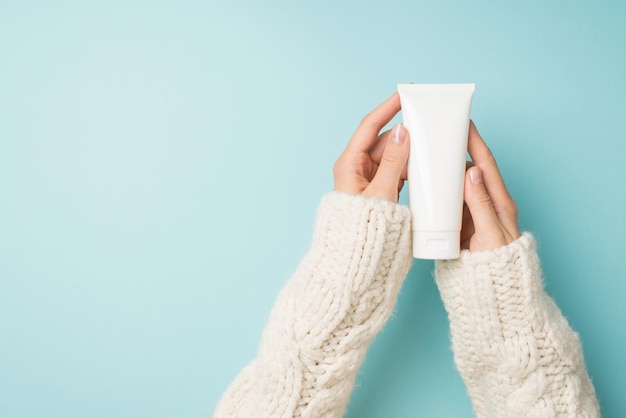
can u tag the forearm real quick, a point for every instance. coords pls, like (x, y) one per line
(328, 313)
(513, 347)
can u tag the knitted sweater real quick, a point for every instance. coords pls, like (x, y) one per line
(513, 348)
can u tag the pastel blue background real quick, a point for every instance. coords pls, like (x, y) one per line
(161, 163)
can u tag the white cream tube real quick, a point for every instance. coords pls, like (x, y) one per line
(437, 118)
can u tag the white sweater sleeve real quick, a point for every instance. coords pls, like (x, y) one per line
(325, 318)
(513, 347)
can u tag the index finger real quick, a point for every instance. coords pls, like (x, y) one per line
(367, 131)
(483, 158)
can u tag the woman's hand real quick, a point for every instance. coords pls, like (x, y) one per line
(490, 214)
(374, 164)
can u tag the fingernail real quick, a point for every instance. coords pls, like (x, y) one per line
(476, 176)
(398, 134)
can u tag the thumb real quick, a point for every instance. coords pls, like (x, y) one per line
(488, 229)
(384, 185)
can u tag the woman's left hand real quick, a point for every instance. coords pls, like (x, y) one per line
(374, 164)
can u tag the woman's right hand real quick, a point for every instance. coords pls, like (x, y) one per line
(490, 214)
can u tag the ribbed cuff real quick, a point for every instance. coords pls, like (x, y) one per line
(489, 295)
(360, 254)
(355, 215)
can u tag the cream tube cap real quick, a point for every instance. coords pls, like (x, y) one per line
(444, 245)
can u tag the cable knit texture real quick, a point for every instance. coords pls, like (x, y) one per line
(328, 313)
(515, 351)
(513, 347)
